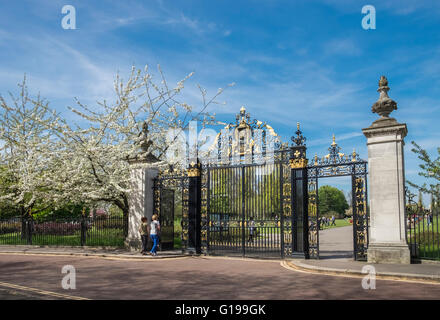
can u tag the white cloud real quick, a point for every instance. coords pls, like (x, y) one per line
(346, 47)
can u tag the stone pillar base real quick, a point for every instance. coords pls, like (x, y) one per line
(387, 253)
(133, 244)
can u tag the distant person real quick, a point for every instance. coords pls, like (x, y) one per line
(429, 219)
(143, 230)
(252, 228)
(154, 234)
(333, 221)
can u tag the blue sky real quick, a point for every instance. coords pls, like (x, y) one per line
(307, 61)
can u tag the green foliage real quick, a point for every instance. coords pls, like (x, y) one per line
(69, 210)
(430, 169)
(331, 199)
(7, 208)
(261, 193)
(114, 211)
(333, 213)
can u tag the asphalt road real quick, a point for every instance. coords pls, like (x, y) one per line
(186, 278)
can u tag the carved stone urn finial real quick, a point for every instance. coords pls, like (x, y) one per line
(384, 105)
(144, 142)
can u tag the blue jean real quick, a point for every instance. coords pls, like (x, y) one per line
(155, 239)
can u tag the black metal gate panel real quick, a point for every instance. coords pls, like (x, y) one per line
(244, 210)
(166, 218)
(171, 190)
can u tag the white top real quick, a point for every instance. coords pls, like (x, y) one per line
(153, 225)
(252, 226)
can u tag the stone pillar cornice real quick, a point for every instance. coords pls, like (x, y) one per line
(394, 128)
(142, 159)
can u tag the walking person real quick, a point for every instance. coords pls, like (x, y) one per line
(429, 219)
(333, 221)
(143, 230)
(251, 230)
(154, 233)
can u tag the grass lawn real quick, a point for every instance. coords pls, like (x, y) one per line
(426, 237)
(113, 238)
(339, 223)
(423, 226)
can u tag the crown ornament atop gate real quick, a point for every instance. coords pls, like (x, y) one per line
(336, 157)
(299, 140)
(247, 140)
(298, 157)
(194, 169)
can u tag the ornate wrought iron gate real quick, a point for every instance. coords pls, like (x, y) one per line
(171, 184)
(245, 214)
(252, 195)
(337, 164)
(245, 189)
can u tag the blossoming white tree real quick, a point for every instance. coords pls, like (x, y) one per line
(92, 165)
(46, 160)
(27, 143)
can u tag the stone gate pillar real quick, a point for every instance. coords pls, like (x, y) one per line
(385, 141)
(140, 199)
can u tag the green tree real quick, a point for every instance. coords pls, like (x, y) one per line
(430, 169)
(7, 207)
(331, 199)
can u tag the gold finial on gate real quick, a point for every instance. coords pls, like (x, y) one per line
(334, 140)
(297, 125)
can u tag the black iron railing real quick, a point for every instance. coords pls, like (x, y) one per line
(64, 231)
(423, 232)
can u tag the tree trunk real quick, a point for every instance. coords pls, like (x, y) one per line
(125, 215)
(124, 206)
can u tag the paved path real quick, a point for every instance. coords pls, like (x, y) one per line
(429, 272)
(87, 251)
(336, 258)
(336, 243)
(190, 278)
